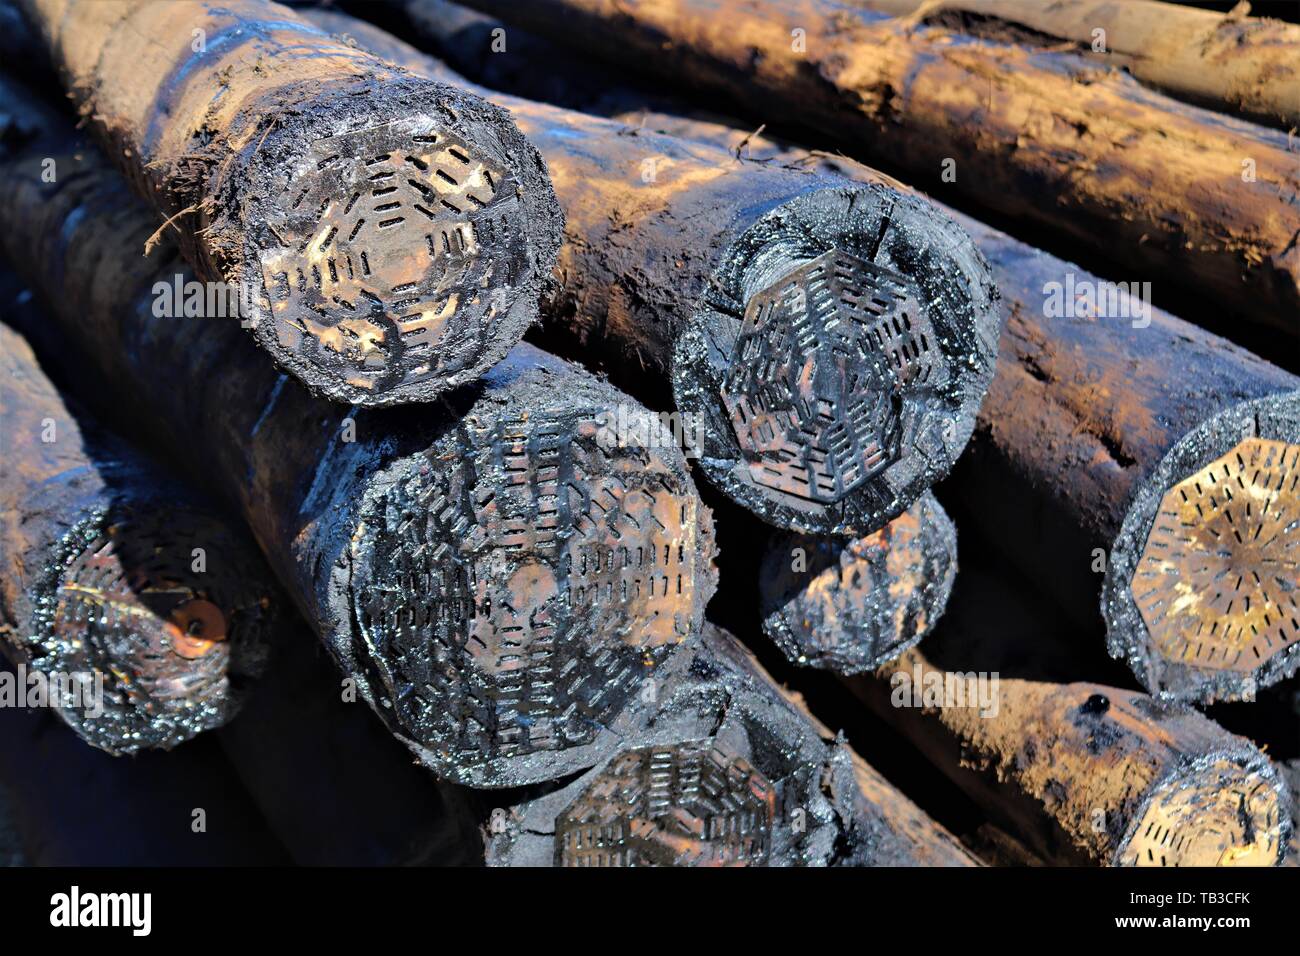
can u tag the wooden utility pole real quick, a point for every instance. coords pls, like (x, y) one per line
(384, 237)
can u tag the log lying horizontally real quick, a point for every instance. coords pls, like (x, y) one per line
(1082, 772)
(498, 573)
(1231, 62)
(831, 340)
(128, 602)
(1178, 194)
(385, 237)
(850, 606)
(1090, 420)
(75, 806)
(728, 772)
(1091, 393)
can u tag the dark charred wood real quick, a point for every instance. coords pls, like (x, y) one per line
(130, 605)
(498, 573)
(729, 771)
(832, 341)
(384, 237)
(1183, 196)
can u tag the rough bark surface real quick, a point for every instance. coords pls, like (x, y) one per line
(456, 558)
(384, 237)
(101, 585)
(1227, 61)
(1086, 772)
(1038, 134)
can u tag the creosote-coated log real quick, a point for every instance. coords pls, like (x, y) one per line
(1090, 420)
(1083, 408)
(385, 236)
(499, 573)
(1130, 783)
(850, 606)
(1081, 772)
(727, 772)
(830, 340)
(130, 606)
(1178, 194)
(1227, 61)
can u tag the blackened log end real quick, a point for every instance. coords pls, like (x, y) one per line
(839, 358)
(394, 239)
(1202, 592)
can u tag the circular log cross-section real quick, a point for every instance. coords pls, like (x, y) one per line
(384, 236)
(689, 804)
(851, 606)
(842, 351)
(1203, 592)
(128, 595)
(828, 342)
(516, 583)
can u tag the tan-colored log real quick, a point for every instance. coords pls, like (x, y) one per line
(384, 237)
(1179, 195)
(1091, 773)
(1227, 61)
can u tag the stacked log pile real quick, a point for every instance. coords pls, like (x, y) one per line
(266, 277)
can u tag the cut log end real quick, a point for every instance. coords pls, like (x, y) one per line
(838, 360)
(1221, 812)
(852, 606)
(394, 261)
(689, 804)
(152, 610)
(1203, 596)
(556, 573)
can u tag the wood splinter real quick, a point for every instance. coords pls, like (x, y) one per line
(383, 236)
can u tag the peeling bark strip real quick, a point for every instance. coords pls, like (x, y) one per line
(833, 339)
(1041, 135)
(1092, 773)
(850, 606)
(723, 770)
(1227, 61)
(499, 574)
(388, 236)
(139, 646)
